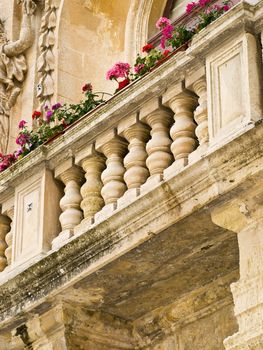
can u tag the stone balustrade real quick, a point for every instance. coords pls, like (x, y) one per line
(143, 136)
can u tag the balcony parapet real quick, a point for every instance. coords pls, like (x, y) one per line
(242, 18)
(166, 134)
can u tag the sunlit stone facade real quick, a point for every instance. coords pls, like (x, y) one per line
(141, 226)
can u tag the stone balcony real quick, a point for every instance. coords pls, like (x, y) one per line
(128, 211)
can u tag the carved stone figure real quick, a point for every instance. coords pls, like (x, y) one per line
(13, 68)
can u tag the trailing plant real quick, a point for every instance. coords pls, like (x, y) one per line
(49, 124)
(172, 37)
(143, 64)
(211, 13)
(180, 35)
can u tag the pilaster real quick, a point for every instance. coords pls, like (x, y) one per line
(244, 216)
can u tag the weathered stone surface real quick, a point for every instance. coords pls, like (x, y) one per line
(163, 258)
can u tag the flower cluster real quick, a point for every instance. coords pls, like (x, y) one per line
(179, 35)
(162, 23)
(172, 37)
(6, 161)
(49, 124)
(143, 64)
(119, 70)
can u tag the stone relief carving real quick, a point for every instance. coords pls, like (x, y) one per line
(46, 60)
(13, 68)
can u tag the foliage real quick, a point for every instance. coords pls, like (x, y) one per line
(143, 64)
(180, 36)
(50, 124)
(172, 37)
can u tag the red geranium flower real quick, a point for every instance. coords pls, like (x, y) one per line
(36, 114)
(123, 83)
(147, 48)
(87, 87)
(166, 53)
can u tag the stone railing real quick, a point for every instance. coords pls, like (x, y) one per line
(183, 110)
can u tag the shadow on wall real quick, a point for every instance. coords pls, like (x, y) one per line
(91, 37)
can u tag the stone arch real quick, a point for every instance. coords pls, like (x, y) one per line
(141, 24)
(141, 20)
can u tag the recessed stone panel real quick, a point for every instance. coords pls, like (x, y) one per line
(35, 224)
(233, 88)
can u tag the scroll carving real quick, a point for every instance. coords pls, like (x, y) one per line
(46, 60)
(13, 68)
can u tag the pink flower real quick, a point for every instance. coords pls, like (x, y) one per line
(22, 139)
(119, 70)
(49, 115)
(162, 22)
(56, 106)
(190, 7)
(203, 3)
(18, 152)
(139, 68)
(6, 161)
(166, 34)
(167, 31)
(22, 124)
(212, 8)
(226, 7)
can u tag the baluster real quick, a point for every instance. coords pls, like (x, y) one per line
(112, 177)
(158, 148)
(136, 172)
(135, 161)
(4, 228)
(200, 113)
(196, 81)
(182, 132)
(9, 236)
(71, 214)
(92, 202)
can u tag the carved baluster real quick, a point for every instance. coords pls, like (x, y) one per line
(91, 190)
(112, 177)
(137, 134)
(135, 161)
(200, 113)
(9, 236)
(71, 214)
(182, 132)
(158, 148)
(70, 203)
(4, 228)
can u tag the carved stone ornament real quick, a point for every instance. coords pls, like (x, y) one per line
(13, 68)
(46, 60)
